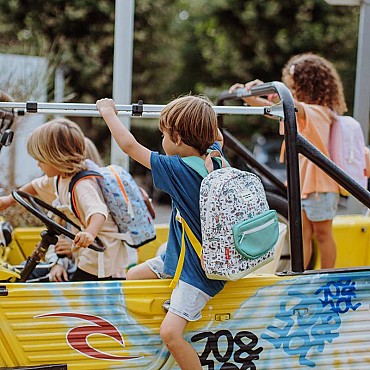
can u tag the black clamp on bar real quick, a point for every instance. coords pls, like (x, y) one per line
(18, 112)
(137, 109)
(31, 107)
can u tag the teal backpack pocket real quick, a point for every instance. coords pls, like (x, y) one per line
(256, 236)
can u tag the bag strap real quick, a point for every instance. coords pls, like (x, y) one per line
(75, 179)
(148, 202)
(197, 164)
(204, 167)
(193, 241)
(220, 159)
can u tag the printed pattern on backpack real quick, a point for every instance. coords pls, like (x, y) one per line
(227, 197)
(125, 202)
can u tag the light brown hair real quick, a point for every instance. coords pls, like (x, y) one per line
(312, 79)
(193, 119)
(4, 97)
(59, 142)
(91, 152)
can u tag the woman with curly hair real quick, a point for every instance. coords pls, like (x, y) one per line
(318, 94)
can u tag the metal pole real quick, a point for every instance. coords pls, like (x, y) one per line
(362, 90)
(59, 85)
(122, 67)
(134, 110)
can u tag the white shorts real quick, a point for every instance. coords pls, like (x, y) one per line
(186, 300)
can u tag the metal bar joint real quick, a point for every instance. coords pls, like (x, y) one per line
(31, 107)
(275, 110)
(137, 109)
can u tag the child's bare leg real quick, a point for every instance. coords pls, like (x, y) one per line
(172, 330)
(325, 240)
(140, 272)
(307, 231)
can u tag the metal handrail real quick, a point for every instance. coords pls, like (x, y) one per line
(134, 110)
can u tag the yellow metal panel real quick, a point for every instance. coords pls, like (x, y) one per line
(149, 250)
(24, 242)
(352, 237)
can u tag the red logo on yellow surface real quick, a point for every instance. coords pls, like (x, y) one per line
(77, 337)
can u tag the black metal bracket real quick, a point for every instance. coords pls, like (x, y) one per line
(137, 109)
(31, 107)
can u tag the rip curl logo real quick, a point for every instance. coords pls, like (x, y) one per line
(77, 338)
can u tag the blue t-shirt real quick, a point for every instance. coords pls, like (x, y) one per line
(173, 176)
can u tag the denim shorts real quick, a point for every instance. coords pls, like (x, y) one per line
(186, 300)
(320, 206)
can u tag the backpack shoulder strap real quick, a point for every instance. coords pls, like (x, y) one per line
(197, 164)
(204, 167)
(75, 179)
(218, 157)
(193, 241)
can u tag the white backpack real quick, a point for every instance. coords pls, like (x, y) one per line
(239, 232)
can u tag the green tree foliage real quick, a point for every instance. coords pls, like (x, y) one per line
(180, 46)
(229, 41)
(74, 34)
(241, 40)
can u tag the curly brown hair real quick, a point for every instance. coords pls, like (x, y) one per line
(312, 79)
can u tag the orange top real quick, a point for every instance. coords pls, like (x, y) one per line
(315, 127)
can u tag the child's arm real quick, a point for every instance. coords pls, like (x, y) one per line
(123, 137)
(7, 200)
(87, 237)
(251, 100)
(257, 101)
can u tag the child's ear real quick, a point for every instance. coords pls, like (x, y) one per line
(177, 139)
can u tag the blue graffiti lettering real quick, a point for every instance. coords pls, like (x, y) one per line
(338, 295)
(310, 324)
(299, 334)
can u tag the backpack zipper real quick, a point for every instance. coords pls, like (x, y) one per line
(255, 229)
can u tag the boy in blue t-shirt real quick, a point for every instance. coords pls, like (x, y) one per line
(189, 128)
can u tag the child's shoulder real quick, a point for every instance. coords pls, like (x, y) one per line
(169, 161)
